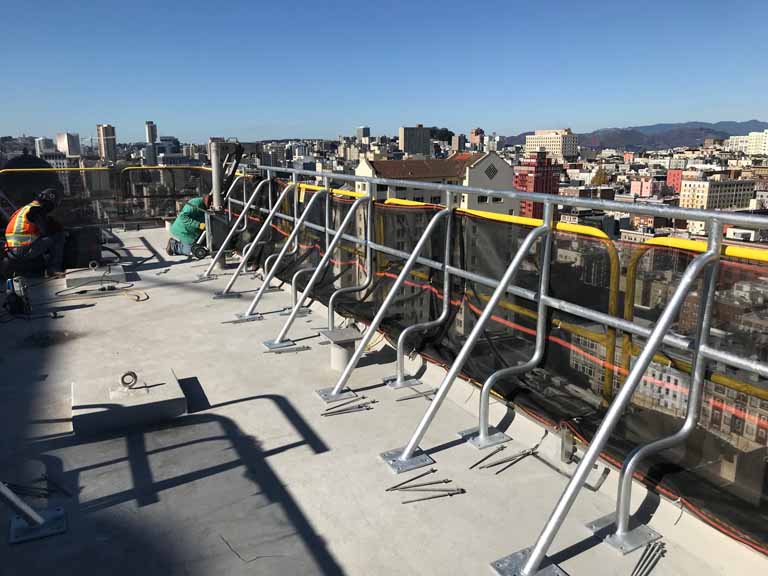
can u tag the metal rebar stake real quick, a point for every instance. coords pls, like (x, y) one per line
(410, 457)
(399, 380)
(281, 341)
(626, 539)
(337, 392)
(528, 561)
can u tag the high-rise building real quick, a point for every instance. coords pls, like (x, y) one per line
(536, 174)
(107, 142)
(757, 143)
(415, 140)
(362, 132)
(476, 137)
(150, 129)
(560, 145)
(458, 142)
(43, 145)
(715, 195)
(68, 144)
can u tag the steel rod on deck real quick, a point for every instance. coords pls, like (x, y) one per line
(243, 215)
(349, 216)
(294, 235)
(369, 333)
(483, 438)
(537, 554)
(477, 330)
(264, 227)
(641, 453)
(399, 379)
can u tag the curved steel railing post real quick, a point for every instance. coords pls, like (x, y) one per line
(399, 380)
(368, 269)
(233, 230)
(281, 341)
(249, 313)
(335, 393)
(262, 230)
(484, 435)
(532, 558)
(623, 538)
(411, 457)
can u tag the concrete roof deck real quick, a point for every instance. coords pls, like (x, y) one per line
(254, 480)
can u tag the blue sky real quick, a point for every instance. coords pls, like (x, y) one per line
(256, 70)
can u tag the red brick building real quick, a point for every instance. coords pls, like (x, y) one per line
(674, 179)
(536, 174)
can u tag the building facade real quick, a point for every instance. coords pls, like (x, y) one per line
(68, 144)
(715, 195)
(536, 174)
(560, 145)
(107, 142)
(415, 140)
(150, 131)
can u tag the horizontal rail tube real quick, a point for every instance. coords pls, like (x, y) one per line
(610, 205)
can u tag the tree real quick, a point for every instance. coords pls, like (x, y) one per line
(600, 178)
(440, 134)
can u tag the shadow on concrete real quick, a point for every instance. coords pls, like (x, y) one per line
(189, 506)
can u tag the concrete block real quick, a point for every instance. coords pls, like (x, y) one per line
(107, 405)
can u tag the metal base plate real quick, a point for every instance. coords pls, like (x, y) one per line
(240, 318)
(495, 437)
(638, 537)
(513, 564)
(273, 345)
(223, 296)
(303, 311)
(55, 523)
(203, 278)
(408, 382)
(327, 395)
(418, 460)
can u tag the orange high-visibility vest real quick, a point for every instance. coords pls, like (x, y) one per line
(20, 231)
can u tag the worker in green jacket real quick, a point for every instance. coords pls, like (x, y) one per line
(188, 226)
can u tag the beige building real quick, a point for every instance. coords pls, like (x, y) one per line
(479, 170)
(757, 143)
(107, 142)
(715, 195)
(560, 145)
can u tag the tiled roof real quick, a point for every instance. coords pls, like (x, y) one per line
(453, 167)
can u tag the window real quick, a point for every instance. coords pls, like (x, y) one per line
(435, 200)
(482, 199)
(491, 171)
(418, 198)
(497, 199)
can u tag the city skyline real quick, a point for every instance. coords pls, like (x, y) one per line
(508, 68)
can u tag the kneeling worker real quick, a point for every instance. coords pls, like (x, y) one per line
(32, 232)
(188, 226)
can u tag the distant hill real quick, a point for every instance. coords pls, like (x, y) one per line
(657, 136)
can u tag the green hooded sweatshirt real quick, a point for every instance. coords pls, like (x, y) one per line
(186, 228)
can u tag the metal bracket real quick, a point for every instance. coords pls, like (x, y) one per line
(226, 295)
(300, 313)
(472, 437)
(418, 460)
(327, 395)
(240, 318)
(408, 382)
(203, 278)
(55, 523)
(605, 527)
(567, 446)
(273, 345)
(513, 564)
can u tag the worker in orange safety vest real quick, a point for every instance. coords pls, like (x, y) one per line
(32, 232)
